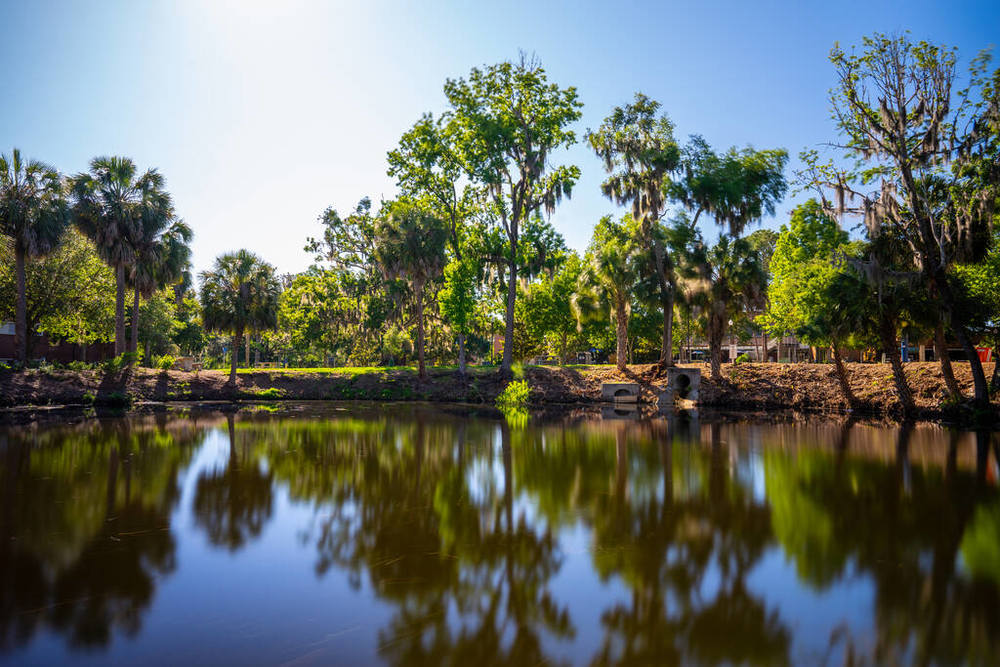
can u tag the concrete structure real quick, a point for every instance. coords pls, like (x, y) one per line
(681, 383)
(620, 392)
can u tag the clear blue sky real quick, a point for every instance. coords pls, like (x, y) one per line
(261, 114)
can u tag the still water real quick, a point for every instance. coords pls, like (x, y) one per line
(409, 534)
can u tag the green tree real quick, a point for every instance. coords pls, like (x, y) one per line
(509, 119)
(736, 188)
(410, 245)
(112, 204)
(457, 301)
(33, 215)
(639, 152)
(733, 282)
(162, 255)
(608, 277)
(547, 307)
(70, 292)
(239, 294)
(802, 261)
(933, 147)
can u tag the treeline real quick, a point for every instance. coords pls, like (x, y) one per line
(464, 253)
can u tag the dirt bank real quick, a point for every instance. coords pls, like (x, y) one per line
(810, 387)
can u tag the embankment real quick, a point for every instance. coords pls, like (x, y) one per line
(804, 387)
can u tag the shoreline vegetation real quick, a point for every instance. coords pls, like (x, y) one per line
(797, 387)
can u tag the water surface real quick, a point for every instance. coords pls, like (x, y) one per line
(409, 534)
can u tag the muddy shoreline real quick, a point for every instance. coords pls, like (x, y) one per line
(750, 387)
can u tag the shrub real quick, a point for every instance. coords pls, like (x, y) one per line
(514, 395)
(742, 359)
(517, 370)
(164, 363)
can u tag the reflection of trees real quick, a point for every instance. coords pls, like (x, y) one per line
(85, 527)
(233, 505)
(466, 569)
(903, 526)
(664, 547)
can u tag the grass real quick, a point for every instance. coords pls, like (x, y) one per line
(354, 371)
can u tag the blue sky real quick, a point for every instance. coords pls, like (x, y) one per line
(261, 114)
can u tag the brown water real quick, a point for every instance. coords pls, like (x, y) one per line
(408, 534)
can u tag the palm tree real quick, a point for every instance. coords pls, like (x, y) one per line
(113, 206)
(639, 153)
(162, 256)
(33, 213)
(410, 244)
(239, 294)
(609, 275)
(732, 281)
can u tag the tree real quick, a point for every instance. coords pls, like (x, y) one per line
(239, 294)
(162, 255)
(803, 267)
(427, 166)
(639, 153)
(608, 277)
(70, 292)
(934, 150)
(112, 204)
(509, 119)
(547, 305)
(736, 188)
(732, 281)
(457, 301)
(33, 214)
(410, 245)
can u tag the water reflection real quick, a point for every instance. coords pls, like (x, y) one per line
(466, 540)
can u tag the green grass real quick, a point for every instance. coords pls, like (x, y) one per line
(350, 371)
(354, 371)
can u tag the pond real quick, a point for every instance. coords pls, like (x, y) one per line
(414, 534)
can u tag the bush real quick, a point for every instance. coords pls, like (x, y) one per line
(164, 363)
(515, 395)
(79, 366)
(517, 370)
(742, 359)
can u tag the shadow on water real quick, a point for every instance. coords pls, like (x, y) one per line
(511, 541)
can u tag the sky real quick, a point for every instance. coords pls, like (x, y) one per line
(260, 115)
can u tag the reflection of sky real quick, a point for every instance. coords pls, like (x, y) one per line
(812, 616)
(264, 603)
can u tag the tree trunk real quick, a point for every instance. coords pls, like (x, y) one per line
(237, 337)
(891, 350)
(845, 384)
(939, 280)
(133, 345)
(21, 316)
(461, 353)
(621, 317)
(766, 356)
(421, 370)
(667, 303)
(982, 392)
(246, 351)
(562, 349)
(941, 351)
(508, 336)
(119, 309)
(715, 351)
